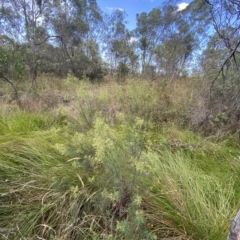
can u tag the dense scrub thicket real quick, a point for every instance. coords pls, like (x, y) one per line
(113, 161)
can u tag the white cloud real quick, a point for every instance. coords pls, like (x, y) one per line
(132, 39)
(110, 8)
(114, 8)
(182, 6)
(40, 21)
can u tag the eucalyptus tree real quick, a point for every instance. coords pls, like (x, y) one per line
(225, 50)
(118, 44)
(113, 38)
(11, 63)
(9, 20)
(76, 23)
(166, 40)
(27, 24)
(215, 25)
(149, 31)
(11, 58)
(225, 20)
(177, 44)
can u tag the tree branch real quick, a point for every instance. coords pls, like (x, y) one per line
(231, 55)
(235, 2)
(47, 39)
(13, 87)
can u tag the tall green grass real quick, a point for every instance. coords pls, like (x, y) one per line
(186, 200)
(38, 186)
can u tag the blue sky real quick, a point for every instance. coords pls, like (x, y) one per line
(131, 7)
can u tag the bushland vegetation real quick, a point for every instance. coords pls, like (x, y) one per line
(107, 133)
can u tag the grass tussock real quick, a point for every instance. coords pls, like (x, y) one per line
(189, 202)
(113, 161)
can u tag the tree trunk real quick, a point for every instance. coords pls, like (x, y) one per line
(34, 78)
(234, 233)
